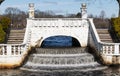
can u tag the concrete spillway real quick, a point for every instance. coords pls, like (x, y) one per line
(60, 58)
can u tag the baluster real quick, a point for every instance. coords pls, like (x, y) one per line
(105, 49)
(119, 49)
(111, 52)
(109, 49)
(1, 51)
(116, 49)
(8, 49)
(19, 50)
(5, 52)
(112, 49)
(12, 50)
(16, 50)
(104, 52)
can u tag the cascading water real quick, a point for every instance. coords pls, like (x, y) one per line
(61, 58)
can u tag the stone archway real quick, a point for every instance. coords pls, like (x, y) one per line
(60, 41)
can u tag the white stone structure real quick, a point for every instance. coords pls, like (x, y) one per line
(31, 10)
(83, 11)
(43, 28)
(37, 30)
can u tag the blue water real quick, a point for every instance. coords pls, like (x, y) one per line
(58, 41)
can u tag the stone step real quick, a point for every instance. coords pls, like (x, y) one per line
(22, 30)
(107, 40)
(104, 35)
(61, 61)
(60, 58)
(16, 36)
(17, 31)
(16, 42)
(61, 50)
(102, 31)
(80, 67)
(54, 59)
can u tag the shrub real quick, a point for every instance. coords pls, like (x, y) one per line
(5, 22)
(116, 25)
(2, 34)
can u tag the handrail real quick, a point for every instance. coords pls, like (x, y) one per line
(103, 47)
(57, 19)
(12, 44)
(94, 30)
(27, 32)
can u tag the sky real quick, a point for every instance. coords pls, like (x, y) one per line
(65, 7)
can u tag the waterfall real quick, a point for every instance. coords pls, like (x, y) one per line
(60, 58)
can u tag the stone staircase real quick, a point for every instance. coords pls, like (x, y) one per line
(104, 35)
(60, 58)
(16, 36)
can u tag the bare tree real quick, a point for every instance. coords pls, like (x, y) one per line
(18, 17)
(102, 14)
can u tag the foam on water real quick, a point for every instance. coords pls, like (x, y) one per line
(61, 59)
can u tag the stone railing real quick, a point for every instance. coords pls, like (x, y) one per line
(95, 37)
(12, 49)
(110, 48)
(27, 35)
(103, 47)
(58, 22)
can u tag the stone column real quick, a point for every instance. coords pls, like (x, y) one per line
(31, 10)
(83, 11)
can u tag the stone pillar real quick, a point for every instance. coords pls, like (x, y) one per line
(83, 11)
(31, 10)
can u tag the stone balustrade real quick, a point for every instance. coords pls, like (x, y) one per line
(58, 22)
(9, 50)
(110, 48)
(110, 52)
(103, 47)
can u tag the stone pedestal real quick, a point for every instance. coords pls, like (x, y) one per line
(31, 10)
(83, 11)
